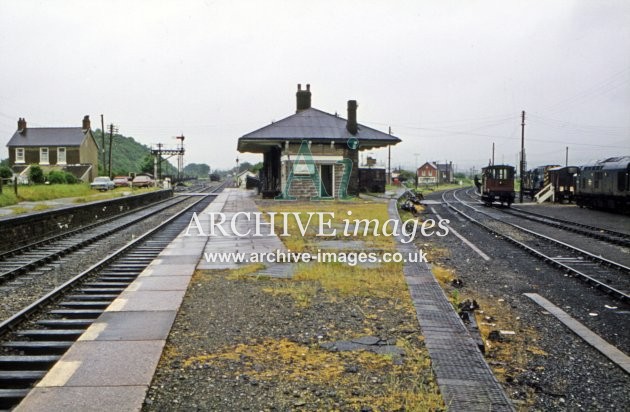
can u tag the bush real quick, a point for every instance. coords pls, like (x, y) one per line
(70, 178)
(36, 174)
(5, 172)
(57, 177)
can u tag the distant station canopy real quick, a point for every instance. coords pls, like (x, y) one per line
(330, 139)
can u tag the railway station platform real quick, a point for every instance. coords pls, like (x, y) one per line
(112, 364)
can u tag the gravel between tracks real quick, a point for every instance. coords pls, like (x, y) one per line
(547, 367)
(605, 220)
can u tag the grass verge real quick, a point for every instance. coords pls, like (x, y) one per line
(81, 193)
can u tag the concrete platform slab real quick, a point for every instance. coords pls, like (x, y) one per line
(171, 270)
(130, 326)
(147, 301)
(175, 259)
(106, 363)
(147, 283)
(84, 399)
(233, 201)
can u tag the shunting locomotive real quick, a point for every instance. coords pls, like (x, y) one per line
(564, 180)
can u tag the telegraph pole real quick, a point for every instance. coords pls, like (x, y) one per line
(103, 159)
(389, 161)
(566, 161)
(416, 169)
(159, 162)
(180, 158)
(492, 153)
(112, 129)
(522, 172)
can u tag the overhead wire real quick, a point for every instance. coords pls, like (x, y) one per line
(612, 82)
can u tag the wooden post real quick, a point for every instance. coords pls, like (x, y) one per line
(522, 171)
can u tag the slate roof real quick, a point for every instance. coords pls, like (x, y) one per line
(315, 125)
(47, 136)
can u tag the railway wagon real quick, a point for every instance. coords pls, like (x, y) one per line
(535, 179)
(564, 180)
(497, 184)
(605, 184)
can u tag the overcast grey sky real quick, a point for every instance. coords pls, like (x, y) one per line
(449, 77)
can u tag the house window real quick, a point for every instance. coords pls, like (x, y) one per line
(19, 155)
(43, 155)
(61, 155)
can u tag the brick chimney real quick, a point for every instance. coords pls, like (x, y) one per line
(351, 125)
(303, 98)
(21, 125)
(86, 123)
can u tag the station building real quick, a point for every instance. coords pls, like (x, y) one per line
(313, 154)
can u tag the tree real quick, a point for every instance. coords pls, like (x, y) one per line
(244, 166)
(406, 175)
(197, 170)
(5, 172)
(36, 174)
(147, 164)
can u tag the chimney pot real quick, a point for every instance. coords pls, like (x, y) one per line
(21, 125)
(351, 124)
(303, 98)
(86, 123)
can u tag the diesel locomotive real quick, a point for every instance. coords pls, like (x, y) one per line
(605, 184)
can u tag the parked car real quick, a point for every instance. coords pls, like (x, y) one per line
(142, 181)
(122, 181)
(102, 183)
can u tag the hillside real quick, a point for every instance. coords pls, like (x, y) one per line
(129, 156)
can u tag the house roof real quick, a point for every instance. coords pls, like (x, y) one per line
(431, 165)
(314, 125)
(48, 136)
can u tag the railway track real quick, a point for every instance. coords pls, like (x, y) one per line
(28, 259)
(33, 339)
(603, 273)
(605, 235)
